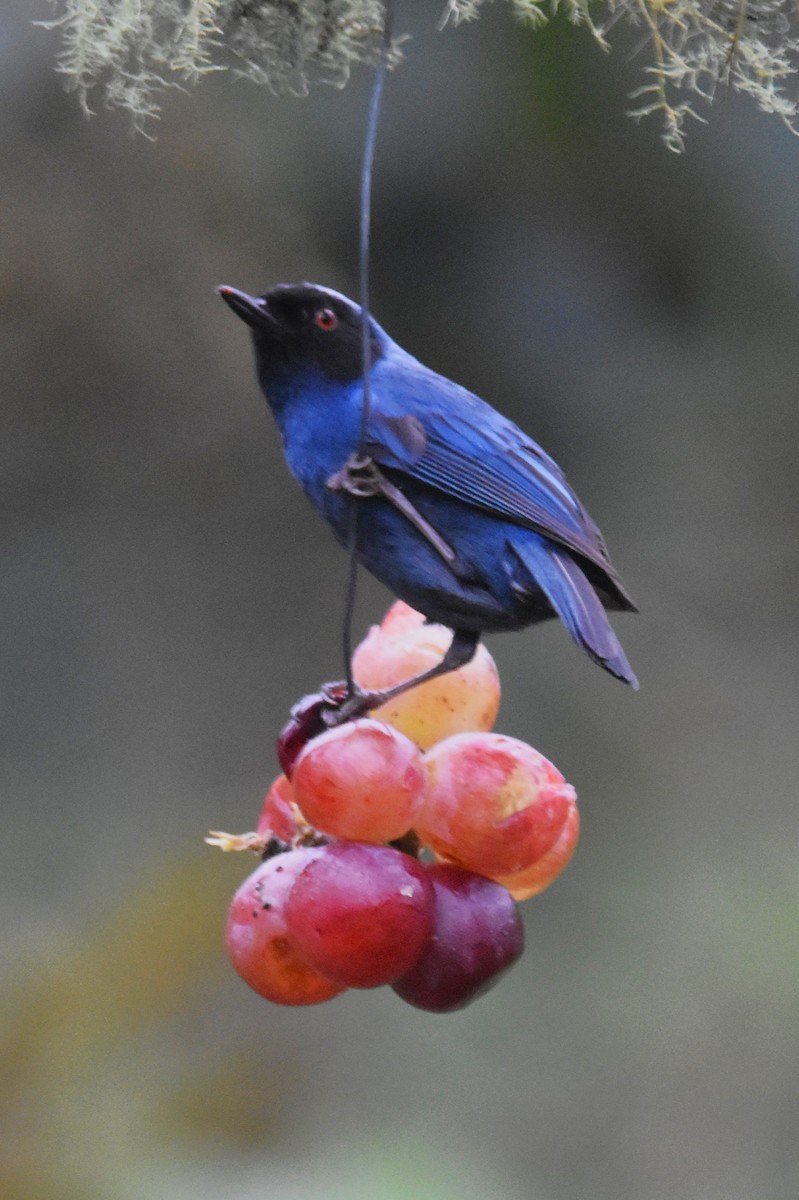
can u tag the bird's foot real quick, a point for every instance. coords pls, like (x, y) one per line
(333, 705)
(360, 476)
(357, 704)
(337, 703)
(350, 705)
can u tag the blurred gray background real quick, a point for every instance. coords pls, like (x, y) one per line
(167, 593)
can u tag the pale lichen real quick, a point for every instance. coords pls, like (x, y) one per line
(132, 49)
(693, 47)
(290, 44)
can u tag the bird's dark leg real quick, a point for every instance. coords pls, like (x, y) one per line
(360, 476)
(460, 651)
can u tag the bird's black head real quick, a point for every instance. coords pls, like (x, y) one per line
(304, 325)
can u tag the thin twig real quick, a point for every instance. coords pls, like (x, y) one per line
(367, 168)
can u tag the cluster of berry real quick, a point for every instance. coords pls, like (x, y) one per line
(343, 898)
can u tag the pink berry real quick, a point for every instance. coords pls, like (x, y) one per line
(362, 781)
(477, 936)
(492, 804)
(532, 880)
(361, 914)
(258, 942)
(279, 815)
(403, 646)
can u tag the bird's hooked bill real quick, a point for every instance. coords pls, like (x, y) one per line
(250, 309)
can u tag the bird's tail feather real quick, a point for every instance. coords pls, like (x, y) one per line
(577, 604)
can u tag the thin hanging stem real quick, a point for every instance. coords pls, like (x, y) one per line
(366, 213)
(367, 167)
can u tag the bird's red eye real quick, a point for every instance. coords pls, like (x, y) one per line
(325, 319)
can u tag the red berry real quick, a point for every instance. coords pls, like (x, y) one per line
(362, 781)
(361, 914)
(306, 721)
(477, 936)
(279, 815)
(532, 880)
(258, 942)
(492, 804)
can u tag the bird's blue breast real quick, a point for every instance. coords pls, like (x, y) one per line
(320, 424)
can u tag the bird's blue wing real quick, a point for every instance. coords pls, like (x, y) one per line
(445, 437)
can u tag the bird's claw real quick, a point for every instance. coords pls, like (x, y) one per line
(360, 476)
(356, 704)
(333, 705)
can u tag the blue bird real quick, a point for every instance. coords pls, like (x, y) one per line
(461, 514)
